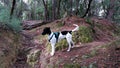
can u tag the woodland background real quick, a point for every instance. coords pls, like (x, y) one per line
(23, 46)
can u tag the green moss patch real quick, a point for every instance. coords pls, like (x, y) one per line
(84, 35)
(61, 44)
(71, 65)
(60, 24)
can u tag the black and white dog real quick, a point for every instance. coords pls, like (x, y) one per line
(54, 37)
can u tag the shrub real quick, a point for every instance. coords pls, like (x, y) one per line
(15, 24)
(61, 44)
(84, 35)
(6, 22)
(89, 21)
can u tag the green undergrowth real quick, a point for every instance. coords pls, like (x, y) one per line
(74, 65)
(60, 24)
(32, 57)
(6, 22)
(61, 45)
(84, 35)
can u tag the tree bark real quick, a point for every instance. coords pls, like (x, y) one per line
(77, 5)
(58, 9)
(46, 15)
(54, 9)
(71, 2)
(88, 9)
(12, 9)
(110, 10)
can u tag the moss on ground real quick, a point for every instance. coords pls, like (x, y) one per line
(60, 24)
(84, 35)
(32, 57)
(72, 65)
(61, 45)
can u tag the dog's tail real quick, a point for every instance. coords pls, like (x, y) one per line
(76, 28)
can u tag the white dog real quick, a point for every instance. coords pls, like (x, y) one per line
(54, 37)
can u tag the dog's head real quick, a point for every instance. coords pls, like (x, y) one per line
(46, 30)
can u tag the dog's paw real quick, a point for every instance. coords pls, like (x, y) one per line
(72, 47)
(68, 50)
(51, 54)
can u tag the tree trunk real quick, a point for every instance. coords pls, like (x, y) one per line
(46, 15)
(110, 10)
(58, 9)
(54, 9)
(77, 5)
(88, 9)
(71, 1)
(12, 9)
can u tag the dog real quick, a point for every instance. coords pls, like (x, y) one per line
(54, 37)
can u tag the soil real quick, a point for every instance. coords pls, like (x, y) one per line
(84, 54)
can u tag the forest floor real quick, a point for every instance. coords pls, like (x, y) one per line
(100, 53)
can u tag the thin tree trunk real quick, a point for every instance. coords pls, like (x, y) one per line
(12, 9)
(77, 5)
(46, 11)
(53, 9)
(88, 9)
(58, 9)
(71, 7)
(110, 10)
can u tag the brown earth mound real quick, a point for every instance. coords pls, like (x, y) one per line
(96, 54)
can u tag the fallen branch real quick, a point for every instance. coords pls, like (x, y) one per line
(28, 25)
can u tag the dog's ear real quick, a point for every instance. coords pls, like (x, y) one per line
(46, 30)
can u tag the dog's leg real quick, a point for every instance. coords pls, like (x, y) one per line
(69, 43)
(72, 44)
(53, 49)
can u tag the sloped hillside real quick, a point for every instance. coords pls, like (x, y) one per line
(9, 48)
(102, 51)
(97, 45)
